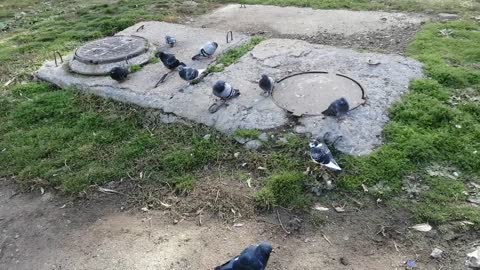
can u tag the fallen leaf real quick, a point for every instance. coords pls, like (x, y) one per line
(249, 182)
(42, 190)
(424, 227)
(63, 206)
(144, 209)
(238, 225)
(339, 209)
(365, 189)
(262, 168)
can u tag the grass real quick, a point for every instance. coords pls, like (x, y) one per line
(69, 141)
(232, 56)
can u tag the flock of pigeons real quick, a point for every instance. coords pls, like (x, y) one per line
(319, 151)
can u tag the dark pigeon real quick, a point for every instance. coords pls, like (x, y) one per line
(266, 83)
(188, 73)
(224, 90)
(119, 74)
(171, 41)
(169, 60)
(320, 154)
(252, 258)
(337, 108)
(206, 51)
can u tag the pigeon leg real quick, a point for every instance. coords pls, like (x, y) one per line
(336, 140)
(326, 136)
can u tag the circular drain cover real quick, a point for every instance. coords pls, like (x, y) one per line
(310, 93)
(98, 57)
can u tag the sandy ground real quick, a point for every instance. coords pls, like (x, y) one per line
(49, 232)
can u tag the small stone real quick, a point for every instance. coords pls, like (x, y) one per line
(448, 16)
(253, 145)
(236, 155)
(282, 140)
(436, 253)
(207, 137)
(241, 140)
(300, 129)
(344, 261)
(473, 259)
(263, 137)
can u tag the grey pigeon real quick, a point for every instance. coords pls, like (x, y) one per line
(320, 154)
(189, 73)
(266, 83)
(119, 74)
(251, 258)
(171, 41)
(206, 51)
(337, 108)
(169, 60)
(224, 90)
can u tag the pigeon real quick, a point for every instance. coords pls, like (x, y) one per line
(171, 41)
(206, 51)
(320, 154)
(251, 258)
(337, 108)
(189, 73)
(169, 60)
(224, 90)
(119, 74)
(266, 83)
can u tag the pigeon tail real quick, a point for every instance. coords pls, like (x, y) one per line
(197, 57)
(333, 165)
(329, 112)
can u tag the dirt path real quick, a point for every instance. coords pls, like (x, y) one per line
(40, 232)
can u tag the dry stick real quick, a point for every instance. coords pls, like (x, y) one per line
(325, 237)
(396, 247)
(281, 224)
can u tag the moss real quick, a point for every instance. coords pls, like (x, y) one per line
(284, 189)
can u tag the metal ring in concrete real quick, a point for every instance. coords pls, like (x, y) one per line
(98, 57)
(111, 49)
(310, 93)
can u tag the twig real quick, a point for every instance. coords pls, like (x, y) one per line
(325, 237)
(281, 224)
(396, 247)
(218, 193)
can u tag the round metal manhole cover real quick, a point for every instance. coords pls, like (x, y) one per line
(111, 49)
(310, 93)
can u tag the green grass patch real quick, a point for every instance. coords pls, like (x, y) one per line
(284, 189)
(426, 128)
(71, 141)
(246, 133)
(233, 55)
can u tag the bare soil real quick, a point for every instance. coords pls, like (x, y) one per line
(103, 232)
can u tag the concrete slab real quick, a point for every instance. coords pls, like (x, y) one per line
(384, 84)
(378, 31)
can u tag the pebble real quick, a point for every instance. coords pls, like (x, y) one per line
(448, 16)
(473, 259)
(436, 253)
(263, 137)
(253, 145)
(344, 261)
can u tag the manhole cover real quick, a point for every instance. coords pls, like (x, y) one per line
(98, 57)
(310, 93)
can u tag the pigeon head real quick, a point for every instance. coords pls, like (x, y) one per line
(264, 76)
(264, 249)
(314, 143)
(159, 54)
(215, 44)
(218, 87)
(342, 101)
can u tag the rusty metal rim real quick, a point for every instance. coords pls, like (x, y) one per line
(364, 97)
(113, 60)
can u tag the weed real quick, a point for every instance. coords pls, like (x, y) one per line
(284, 189)
(246, 133)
